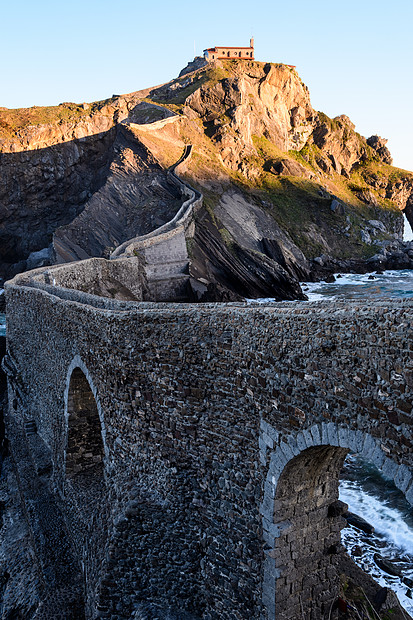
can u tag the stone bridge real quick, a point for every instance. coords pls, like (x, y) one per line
(193, 451)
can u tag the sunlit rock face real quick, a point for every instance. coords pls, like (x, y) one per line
(262, 100)
(91, 176)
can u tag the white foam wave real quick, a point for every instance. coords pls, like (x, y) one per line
(261, 300)
(394, 538)
(318, 296)
(386, 520)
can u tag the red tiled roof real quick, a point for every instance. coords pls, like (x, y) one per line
(227, 47)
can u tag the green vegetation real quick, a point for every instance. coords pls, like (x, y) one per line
(14, 120)
(300, 206)
(190, 247)
(297, 208)
(180, 94)
(266, 149)
(332, 123)
(374, 169)
(175, 97)
(226, 237)
(210, 202)
(307, 157)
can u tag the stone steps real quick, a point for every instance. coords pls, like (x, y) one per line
(167, 270)
(173, 288)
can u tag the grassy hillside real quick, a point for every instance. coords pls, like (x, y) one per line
(300, 205)
(228, 115)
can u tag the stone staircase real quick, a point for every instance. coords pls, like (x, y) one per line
(164, 250)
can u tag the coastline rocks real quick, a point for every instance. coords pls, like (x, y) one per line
(392, 255)
(89, 185)
(387, 565)
(39, 259)
(358, 522)
(337, 509)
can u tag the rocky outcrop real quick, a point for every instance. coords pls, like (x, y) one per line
(390, 255)
(256, 99)
(134, 199)
(164, 251)
(379, 145)
(286, 184)
(39, 128)
(49, 170)
(340, 146)
(230, 271)
(288, 167)
(45, 188)
(197, 63)
(408, 210)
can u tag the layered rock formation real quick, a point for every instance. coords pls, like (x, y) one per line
(289, 194)
(49, 170)
(259, 100)
(134, 198)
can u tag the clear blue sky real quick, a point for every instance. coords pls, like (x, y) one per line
(355, 56)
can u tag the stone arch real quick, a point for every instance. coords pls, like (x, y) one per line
(85, 446)
(83, 481)
(302, 481)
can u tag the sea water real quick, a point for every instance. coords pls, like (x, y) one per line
(362, 487)
(371, 286)
(380, 503)
(368, 286)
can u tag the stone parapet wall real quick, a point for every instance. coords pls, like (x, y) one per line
(173, 227)
(203, 408)
(164, 250)
(123, 279)
(156, 125)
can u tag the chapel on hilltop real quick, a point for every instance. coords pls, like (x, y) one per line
(219, 52)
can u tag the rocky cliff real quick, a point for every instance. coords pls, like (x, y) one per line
(289, 194)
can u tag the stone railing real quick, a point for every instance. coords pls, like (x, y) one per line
(179, 223)
(95, 282)
(155, 124)
(202, 404)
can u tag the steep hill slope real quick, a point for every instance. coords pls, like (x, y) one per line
(288, 193)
